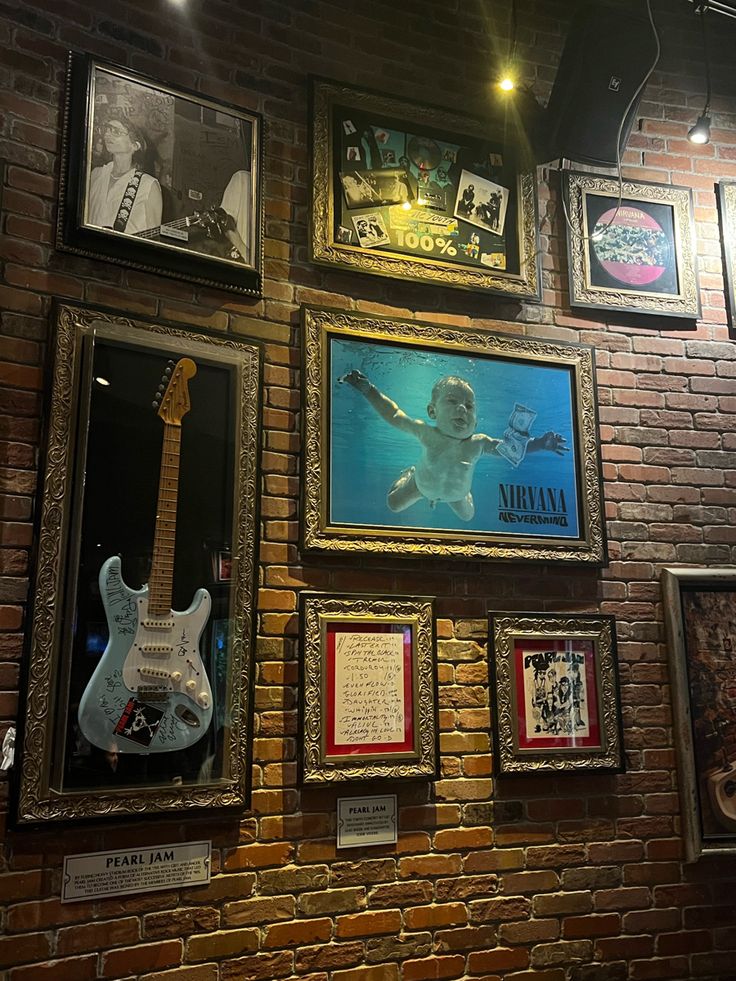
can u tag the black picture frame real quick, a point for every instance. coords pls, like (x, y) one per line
(190, 203)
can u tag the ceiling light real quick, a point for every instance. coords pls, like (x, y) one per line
(506, 84)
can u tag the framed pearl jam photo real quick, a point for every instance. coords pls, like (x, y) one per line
(555, 695)
(422, 439)
(138, 693)
(421, 193)
(160, 179)
(635, 255)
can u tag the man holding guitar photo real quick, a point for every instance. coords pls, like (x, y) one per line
(165, 169)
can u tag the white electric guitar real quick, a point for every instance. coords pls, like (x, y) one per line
(149, 692)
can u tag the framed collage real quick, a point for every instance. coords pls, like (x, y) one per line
(554, 685)
(367, 688)
(420, 193)
(161, 179)
(700, 620)
(492, 453)
(133, 706)
(636, 254)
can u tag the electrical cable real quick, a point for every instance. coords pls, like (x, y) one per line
(632, 102)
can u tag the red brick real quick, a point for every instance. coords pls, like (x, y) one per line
(368, 924)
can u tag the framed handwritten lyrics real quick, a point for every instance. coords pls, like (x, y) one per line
(368, 686)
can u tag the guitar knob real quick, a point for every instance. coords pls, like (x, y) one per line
(191, 685)
(176, 677)
(204, 699)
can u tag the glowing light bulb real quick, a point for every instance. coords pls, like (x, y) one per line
(507, 84)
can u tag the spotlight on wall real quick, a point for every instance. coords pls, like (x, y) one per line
(700, 132)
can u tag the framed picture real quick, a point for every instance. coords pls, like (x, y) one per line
(160, 179)
(727, 210)
(637, 257)
(368, 688)
(221, 564)
(554, 685)
(700, 619)
(422, 439)
(414, 192)
(138, 687)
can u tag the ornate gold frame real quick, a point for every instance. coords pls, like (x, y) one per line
(526, 285)
(317, 611)
(317, 531)
(509, 758)
(690, 703)
(40, 795)
(583, 293)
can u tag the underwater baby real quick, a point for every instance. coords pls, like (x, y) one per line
(451, 447)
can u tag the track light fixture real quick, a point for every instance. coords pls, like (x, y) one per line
(700, 132)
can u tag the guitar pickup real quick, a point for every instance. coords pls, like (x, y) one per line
(158, 624)
(158, 650)
(147, 693)
(150, 672)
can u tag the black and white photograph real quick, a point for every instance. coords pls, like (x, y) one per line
(371, 230)
(481, 202)
(160, 178)
(377, 188)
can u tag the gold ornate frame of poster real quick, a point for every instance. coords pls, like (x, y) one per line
(700, 620)
(638, 258)
(368, 688)
(554, 685)
(434, 240)
(529, 490)
(727, 209)
(127, 709)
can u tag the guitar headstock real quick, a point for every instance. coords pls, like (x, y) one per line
(172, 398)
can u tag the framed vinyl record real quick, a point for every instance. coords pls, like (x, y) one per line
(633, 253)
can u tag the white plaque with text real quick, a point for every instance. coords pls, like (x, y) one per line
(365, 821)
(115, 873)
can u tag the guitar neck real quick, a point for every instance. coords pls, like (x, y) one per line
(177, 223)
(161, 580)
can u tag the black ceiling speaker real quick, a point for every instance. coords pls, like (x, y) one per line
(609, 51)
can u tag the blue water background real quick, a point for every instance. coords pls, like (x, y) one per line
(368, 454)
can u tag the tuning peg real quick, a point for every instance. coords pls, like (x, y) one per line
(161, 388)
(155, 403)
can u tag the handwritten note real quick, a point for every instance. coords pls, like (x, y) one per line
(369, 688)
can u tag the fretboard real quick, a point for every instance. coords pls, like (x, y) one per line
(177, 223)
(161, 580)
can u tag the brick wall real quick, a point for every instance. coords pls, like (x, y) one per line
(542, 878)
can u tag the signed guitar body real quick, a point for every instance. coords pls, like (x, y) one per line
(150, 692)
